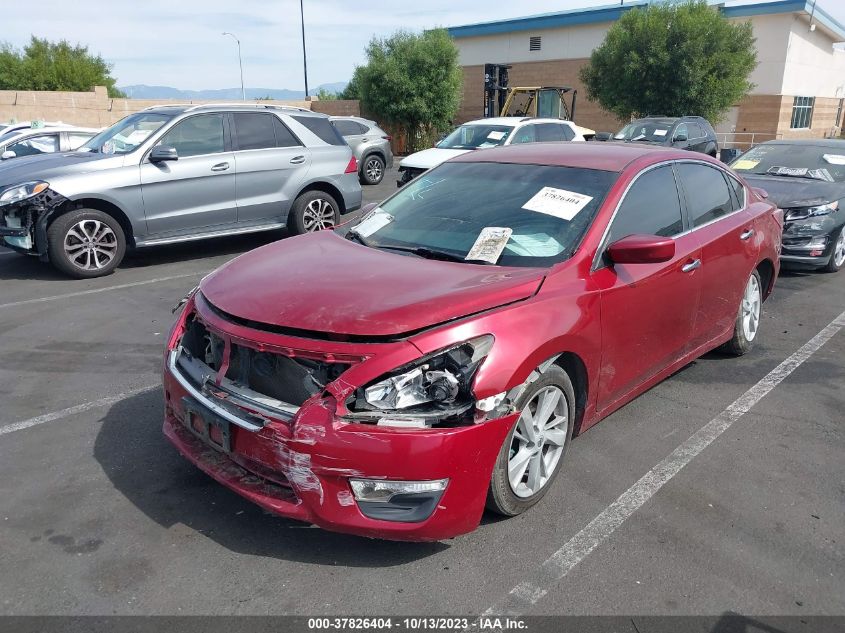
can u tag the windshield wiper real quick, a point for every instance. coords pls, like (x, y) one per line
(431, 253)
(355, 236)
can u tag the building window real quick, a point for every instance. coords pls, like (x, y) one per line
(535, 42)
(802, 112)
(838, 122)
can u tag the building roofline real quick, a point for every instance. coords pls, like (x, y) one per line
(611, 13)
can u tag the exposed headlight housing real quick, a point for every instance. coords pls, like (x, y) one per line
(25, 190)
(425, 391)
(802, 213)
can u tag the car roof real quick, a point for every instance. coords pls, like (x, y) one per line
(605, 156)
(817, 142)
(181, 108)
(669, 120)
(514, 120)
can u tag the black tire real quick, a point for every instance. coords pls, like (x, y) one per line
(740, 342)
(372, 170)
(92, 237)
(501, 497)
(832, 266)
(313, 211)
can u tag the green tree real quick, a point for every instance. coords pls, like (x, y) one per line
(45, 65)
(325, 95)
(414, 81)
(672, 59)
(353, 88)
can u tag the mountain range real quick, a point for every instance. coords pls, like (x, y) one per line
(143, 91)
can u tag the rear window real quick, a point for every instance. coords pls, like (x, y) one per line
(322, 128)
(349, 128)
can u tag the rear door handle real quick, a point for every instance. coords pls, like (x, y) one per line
(220, 167)
(691, 266)
(745, 235)
(297, 160)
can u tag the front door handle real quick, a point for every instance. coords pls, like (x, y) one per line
(745, 235)
(297, 160)
(220, 167)
(691, 266)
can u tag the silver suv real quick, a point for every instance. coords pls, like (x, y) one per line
(369, 143)
(177, 173)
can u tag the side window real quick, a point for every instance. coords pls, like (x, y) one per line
(568, 133)
(322, 128)
(362, 129)
(196, 135)
(708, 197)
(284, 137)
(651, 207)
(739, 192)
(45, 144)
(547, 132)
(695, 131)
(347, 128)
(681, 130)
(76, 140)
(254, 131)
(525, 134)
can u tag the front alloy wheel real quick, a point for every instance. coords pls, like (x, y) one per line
(837, 257)
(86, 243)
(313, 211)
(91, 245)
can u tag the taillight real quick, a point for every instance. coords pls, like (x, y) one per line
(352, 167)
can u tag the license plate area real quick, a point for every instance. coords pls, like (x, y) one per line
(207, 426)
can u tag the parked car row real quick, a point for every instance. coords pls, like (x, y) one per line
(16, 141)
(471, 324)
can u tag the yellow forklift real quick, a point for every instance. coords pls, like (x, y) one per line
(525, 101)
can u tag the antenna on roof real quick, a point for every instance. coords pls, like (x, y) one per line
(812, 13)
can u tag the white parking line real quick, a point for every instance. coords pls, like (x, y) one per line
(98, 290)
(575, 550)
(79, 408)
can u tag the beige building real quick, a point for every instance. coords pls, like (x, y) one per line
(800, 76)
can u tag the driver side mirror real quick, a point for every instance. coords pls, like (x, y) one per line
(7, 155)
(603, 136)
(642, 249)
(679, 138)
(163, 153)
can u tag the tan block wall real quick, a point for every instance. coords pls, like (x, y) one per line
(337, 107)
(561, 72)
(87, 109)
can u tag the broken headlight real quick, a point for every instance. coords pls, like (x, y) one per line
(25, 190)
(803, 213)
(437, 385)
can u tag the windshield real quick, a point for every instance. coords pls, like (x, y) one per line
(798, 161)
(476, 136)
(127, 134)
(649, 131)
(495, 213)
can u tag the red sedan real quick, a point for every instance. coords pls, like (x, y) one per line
(394, 378)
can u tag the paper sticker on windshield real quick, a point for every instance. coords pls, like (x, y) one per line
(496, 135)
(557, 202)
(107, 148)
(835, 159)
(375, 221)
(490, 244)
(744, 163)
(788, 171)
(660, 132)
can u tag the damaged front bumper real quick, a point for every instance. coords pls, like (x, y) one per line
(308, 461)
(23, 225)
(810, 241)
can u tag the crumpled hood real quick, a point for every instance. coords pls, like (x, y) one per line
(47, 166)
(797, 192)
(324, 283)
(431, 157)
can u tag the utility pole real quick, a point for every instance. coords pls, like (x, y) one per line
(304, 57)
(240, 63)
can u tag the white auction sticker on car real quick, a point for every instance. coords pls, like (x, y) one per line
(496, 135)
(375, 221)
(834, 159)
(557, 202)
(490, 243)
(660, 132)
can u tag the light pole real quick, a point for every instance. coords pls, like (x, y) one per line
(304, 58)
(240, 63)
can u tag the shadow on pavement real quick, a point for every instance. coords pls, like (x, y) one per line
(148, 471)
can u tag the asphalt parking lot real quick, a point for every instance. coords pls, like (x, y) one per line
(100, 515)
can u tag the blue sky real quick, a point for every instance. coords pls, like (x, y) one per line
(179, 44)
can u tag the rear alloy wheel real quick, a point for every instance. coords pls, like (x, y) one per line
(748, 318)
(86, 243)
(313, 211)
(531, 456)
(837, 257)
(373, 170)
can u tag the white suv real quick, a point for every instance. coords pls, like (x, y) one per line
(484, 133)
